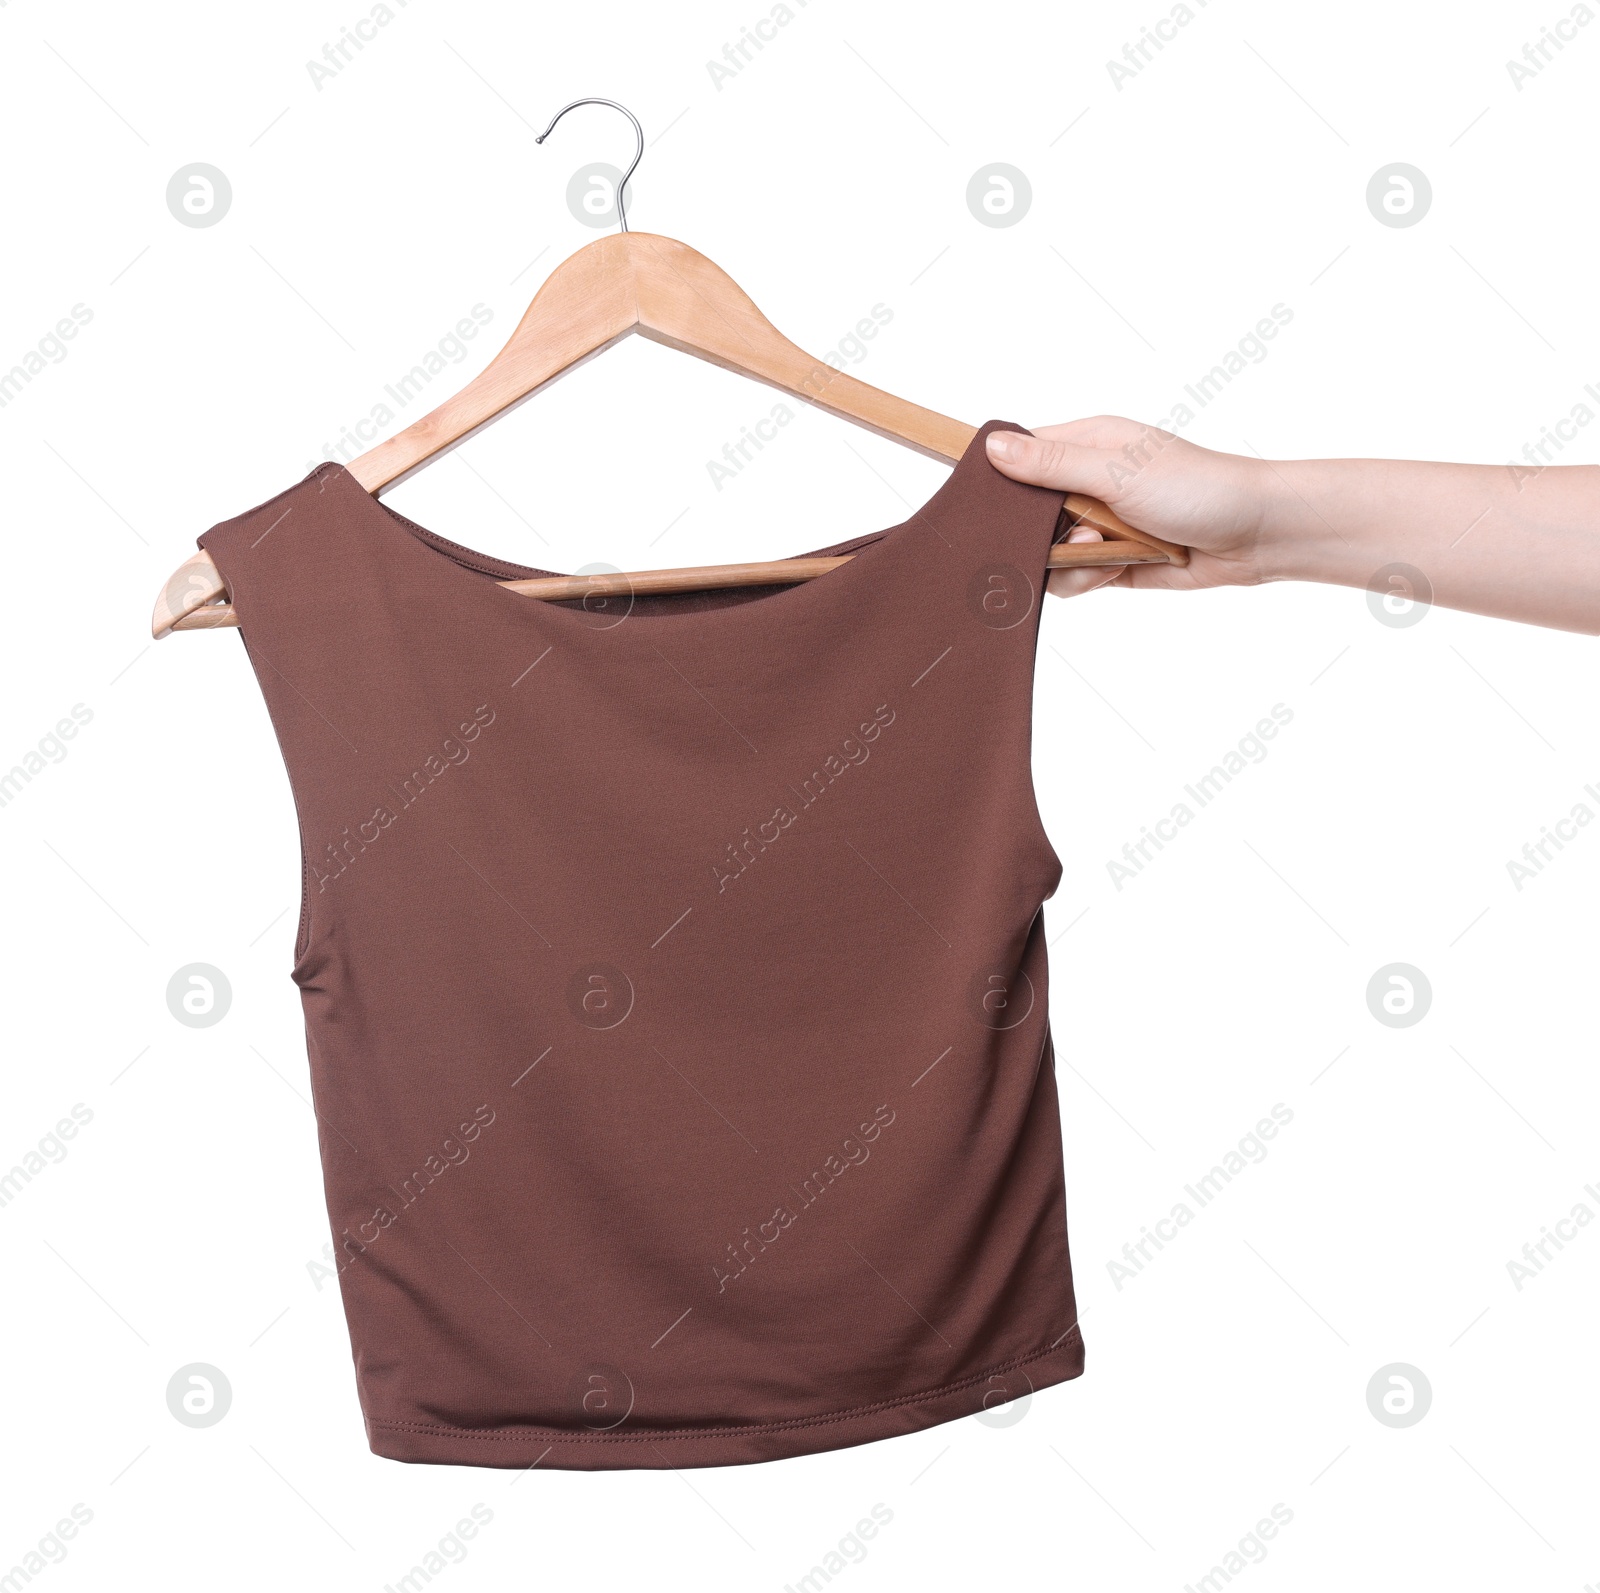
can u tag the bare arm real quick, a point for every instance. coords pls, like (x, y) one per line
(1518, 543)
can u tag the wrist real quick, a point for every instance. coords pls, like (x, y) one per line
(1296, 538)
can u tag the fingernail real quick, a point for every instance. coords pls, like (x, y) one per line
(1002, 445)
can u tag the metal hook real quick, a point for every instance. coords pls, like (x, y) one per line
(622, 214)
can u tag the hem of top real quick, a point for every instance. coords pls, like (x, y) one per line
(557, 1449)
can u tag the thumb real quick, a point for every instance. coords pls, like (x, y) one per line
(1048, 462)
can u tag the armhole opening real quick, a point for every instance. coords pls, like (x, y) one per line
(303, 932)
(1041, 834)
(218, 548)
(302, 939)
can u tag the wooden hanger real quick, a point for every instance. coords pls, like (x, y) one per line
(666, 291)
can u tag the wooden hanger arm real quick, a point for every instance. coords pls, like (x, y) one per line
(583, 307)
(195, 583)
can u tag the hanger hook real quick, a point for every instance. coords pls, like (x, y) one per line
(638, 132)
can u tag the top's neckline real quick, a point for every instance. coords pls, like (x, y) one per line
(458, 561)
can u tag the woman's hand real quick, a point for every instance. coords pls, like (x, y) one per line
(1515, 541)
(1208, 502)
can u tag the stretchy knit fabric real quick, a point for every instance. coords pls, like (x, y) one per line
(675, 984)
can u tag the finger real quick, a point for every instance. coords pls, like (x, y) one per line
(1050, 462)
(1074, 582)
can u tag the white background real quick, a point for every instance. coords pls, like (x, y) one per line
(828, 176)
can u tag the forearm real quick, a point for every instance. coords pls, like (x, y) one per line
(1521, 545)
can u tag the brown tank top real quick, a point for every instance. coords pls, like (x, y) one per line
(675, 983)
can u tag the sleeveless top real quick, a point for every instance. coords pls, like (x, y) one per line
(674, 981)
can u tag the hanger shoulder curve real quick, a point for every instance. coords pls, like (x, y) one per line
(584, 306)
(690, 303)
